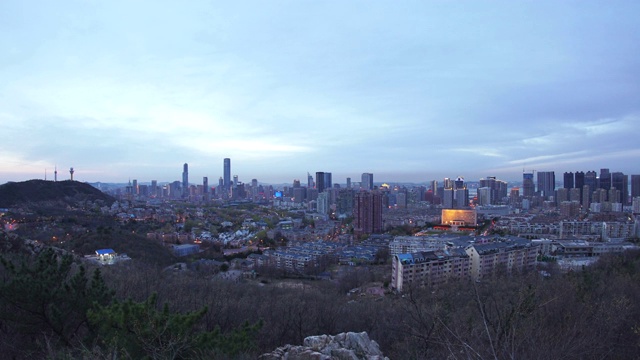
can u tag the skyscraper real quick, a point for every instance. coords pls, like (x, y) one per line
(328, 182)
(605, 179)
(205, 185)
(227, 174)
(528, 187)
(620, 182)
(367, 212)
(590, 180)
(579, 183)
(568, 180)
(367, 181)
(154, 188)
(323, 181)
(635, 186)
(546, 183)
(320, 181)
(185, 179)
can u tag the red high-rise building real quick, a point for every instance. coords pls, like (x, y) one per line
(367, 213)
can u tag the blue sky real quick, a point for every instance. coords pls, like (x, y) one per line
(409, 90)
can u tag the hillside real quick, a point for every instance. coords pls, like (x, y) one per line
(14, 194)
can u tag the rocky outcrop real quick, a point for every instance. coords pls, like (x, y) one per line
(344, 346)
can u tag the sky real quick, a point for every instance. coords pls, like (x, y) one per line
(410, 91)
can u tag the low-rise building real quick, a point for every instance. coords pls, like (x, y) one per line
(429, 268)
(501, 254)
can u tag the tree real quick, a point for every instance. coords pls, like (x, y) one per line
(139, 330)
(50, 296)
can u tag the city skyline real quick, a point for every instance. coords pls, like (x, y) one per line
(409, 93)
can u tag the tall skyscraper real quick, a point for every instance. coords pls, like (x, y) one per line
(367, 212)
(185, 179)
(605, 179)
(328, 182)
(205, 185)
(309, 181)
(635, 186)
(546, 183)
(367, 181)
(227, 174)
(320, 181)
(484, 195)
(620, 182)
(590, 180)
(323, 181)
(348, 183)
(528, 187)
(154, 188)
(568, 180)
(579, 183)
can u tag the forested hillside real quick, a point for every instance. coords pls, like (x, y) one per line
(51, 306)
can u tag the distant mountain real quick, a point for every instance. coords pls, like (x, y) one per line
(14, 194)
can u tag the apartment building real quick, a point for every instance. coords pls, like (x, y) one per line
(502, 254)
(429, 268)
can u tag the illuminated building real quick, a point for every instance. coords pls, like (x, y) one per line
(459, 218)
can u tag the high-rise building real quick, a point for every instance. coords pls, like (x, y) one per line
(498, 189)
(461, 198)
(514, 196)
(320, 181)
(546, 183)
(447, 199)
(568, 180)
(227, 174)
(620, 182)
(367, 181)
(604, 182)
(367, 212)
(528, 187)
(348, 183)
(323, 181)
(579, 182)
(185, 179)
(484, 196)
(327, 180)
(562, 195)
(205, 185)
(154, 188)
(322, 203)
(309, 181)
(635, 186)
(591, 180)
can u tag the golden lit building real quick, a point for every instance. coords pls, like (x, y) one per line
(459, 217)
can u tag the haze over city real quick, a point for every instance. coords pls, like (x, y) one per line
(409, 91)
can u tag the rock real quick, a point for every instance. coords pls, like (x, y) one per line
(344, 346)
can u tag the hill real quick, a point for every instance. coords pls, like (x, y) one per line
(68, 192)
